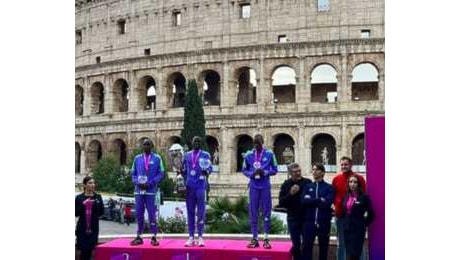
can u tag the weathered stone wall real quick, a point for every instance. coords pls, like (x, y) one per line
(331, 37)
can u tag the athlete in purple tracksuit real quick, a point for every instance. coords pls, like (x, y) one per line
(258, 165)
(146, 173)
(196, 166)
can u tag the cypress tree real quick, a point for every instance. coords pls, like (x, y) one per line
(194, 122)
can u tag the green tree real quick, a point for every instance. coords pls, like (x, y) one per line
(167, 186)
(194, 121)
(125, 185)
(106, 173)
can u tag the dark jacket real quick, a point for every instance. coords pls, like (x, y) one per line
(356, 222)
(88, 241)
(292, 202)
(317, 199)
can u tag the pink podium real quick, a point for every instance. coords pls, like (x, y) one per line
(173, 249)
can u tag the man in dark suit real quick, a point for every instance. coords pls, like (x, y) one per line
(289, 198)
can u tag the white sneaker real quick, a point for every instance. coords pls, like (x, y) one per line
(200, 241)
(189, 242)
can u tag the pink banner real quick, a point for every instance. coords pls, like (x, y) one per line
(375, 173)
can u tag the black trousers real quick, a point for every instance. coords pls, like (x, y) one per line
(295, 231)
(310, 231)
(86, 254)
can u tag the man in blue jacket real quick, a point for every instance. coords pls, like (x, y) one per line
(258, 165)
(317, 198)
(196, 166)
(146, 173)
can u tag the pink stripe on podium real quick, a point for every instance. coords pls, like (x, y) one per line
(174, 249)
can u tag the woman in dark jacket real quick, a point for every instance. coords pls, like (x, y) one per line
(88, 208)
(358, 215)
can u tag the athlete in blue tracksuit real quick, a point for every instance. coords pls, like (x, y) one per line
(258, 165)
(317, 198)
(146, 173)
(196, 166)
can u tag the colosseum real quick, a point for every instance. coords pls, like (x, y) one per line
(302, 73)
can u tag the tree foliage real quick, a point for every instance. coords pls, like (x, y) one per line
(194, 121)
(105, 173)
(225, 216)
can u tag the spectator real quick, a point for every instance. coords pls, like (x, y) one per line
(289, 198)
(317, 197)
(88, 208)
(128, 213)
(358, 214)
(340, 187)
(111, 209)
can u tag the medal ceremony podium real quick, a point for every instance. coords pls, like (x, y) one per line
(174, 249)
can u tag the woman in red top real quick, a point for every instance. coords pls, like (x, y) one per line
(357, 215)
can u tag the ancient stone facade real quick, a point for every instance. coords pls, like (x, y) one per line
(133, 58)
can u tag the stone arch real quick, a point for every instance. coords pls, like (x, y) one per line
(283, 147)
(371, 72)
(329, 131)
(365, 82)
(147, 93)
(357, 60)
(213, 147)
(331, 61)
(77, 158)
(97, 98)
(79, 100)
(323, 80)
(246, 79)
(176, 89)
(324, 150)
(173, 140)
(244, 143)
(240, 66)
(283, 83)
(119, 150)
(120, 95)
(272, 65)
(141, 140)
(94, 153)
(358, 147)
(211, 85)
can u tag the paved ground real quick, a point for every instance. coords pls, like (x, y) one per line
(114, 228)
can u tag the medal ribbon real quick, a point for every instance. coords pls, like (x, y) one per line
(258, 157)
(146, 162)
(195, 157)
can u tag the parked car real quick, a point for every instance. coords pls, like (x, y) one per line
(106, 215)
